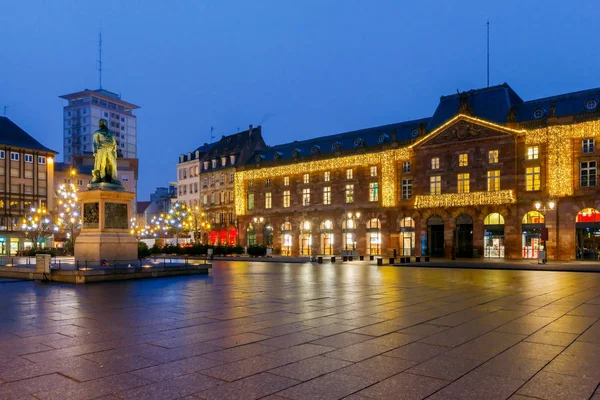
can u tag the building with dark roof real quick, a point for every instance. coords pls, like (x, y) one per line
(26, 181)
(487, 175)
(206, 179)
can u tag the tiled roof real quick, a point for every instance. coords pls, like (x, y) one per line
(342, 141)
(142, 206)
(201, 151)
(12, 135)
(240, 144)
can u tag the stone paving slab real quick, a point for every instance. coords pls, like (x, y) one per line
(306, 331)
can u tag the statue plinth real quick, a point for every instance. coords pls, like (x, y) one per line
(105, 229)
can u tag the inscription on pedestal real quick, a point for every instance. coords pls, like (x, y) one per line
(115, 216)
(91, 215)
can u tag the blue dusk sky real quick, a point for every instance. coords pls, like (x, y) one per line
(302, 69)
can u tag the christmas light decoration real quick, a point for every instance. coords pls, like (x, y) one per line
(465, 199)
(387, 159)
(558, 140)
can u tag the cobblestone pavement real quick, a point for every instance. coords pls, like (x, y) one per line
(302, 331)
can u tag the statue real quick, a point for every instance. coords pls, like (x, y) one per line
(105, 157)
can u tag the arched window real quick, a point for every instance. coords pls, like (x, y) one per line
(326, 225)
(588, 215)
(533, 217)
(494, 219)
(407, 222)
(435, 220)
(305, 226)
(349, 224)
(373, 223)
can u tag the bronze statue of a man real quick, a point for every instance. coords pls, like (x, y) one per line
(105, 155)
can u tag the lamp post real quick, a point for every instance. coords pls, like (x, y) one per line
(258, 221)
(543, 207)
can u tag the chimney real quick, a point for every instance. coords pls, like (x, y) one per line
(250, 130)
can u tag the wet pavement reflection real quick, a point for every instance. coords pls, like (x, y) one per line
(255, 330)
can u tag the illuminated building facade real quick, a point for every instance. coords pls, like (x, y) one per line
(26, 181)
(206, 183)
(488, 175)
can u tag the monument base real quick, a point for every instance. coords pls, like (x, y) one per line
(105, 237)
(95, 247)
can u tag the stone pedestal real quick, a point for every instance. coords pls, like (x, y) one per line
(105, 229)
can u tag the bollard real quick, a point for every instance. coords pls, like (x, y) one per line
(408, 260)
(392, 260)
(332, 259)
(371, 257)
(380, 261)
(426, 258)
(361, 258)
(417, 259)
(344, 258)
(350, 258)
(320, 260)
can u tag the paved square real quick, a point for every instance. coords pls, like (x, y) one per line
(301, 331)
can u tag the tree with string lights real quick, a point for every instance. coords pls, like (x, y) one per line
(38, 225)
(68, 218)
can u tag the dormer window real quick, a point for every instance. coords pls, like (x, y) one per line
(181, 158)
(214, 163)
(591, 104)
(539, 113)
(206, 165)
(197, 154)
(223, 161)
(232, 159)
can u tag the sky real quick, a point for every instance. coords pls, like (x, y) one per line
(301, 69)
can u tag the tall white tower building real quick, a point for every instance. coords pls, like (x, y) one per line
(81, 118)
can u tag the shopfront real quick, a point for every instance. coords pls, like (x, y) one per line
(326, 237)
(531, 236)
(374, 237)
(251, 236)
(407, 236)
(493, 236)
(305, 238)
(587, 234)
(349, 232)
(286, 238)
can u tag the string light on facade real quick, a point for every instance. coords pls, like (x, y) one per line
(465, 199)
(387, 159)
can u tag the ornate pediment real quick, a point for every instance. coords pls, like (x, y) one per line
(464, 130)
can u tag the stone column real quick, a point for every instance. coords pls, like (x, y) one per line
(449, 237)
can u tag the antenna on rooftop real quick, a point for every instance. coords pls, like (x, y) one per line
(488, 53)
(211, 133)
(5, 110)
(100, 58)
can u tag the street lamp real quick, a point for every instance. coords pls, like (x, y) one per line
(543, 207)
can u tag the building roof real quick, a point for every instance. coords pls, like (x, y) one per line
(196, 154)
(142, 206)
(241, 144)
(564, 104)
(12, 135)
(494, 103)
(491, 104)
(379, 135)
(107, 95)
